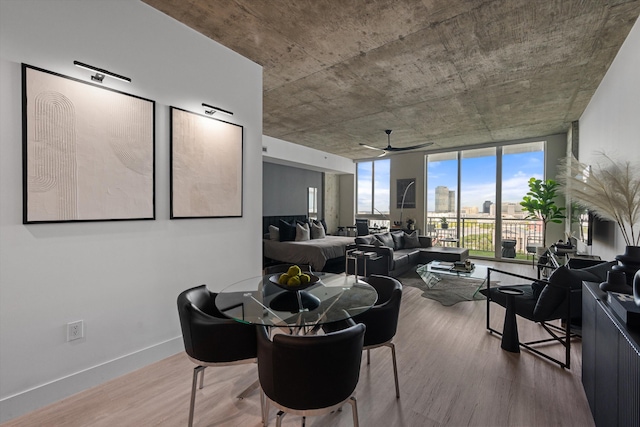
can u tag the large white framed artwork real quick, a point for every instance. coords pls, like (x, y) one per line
(88, 151)
(206, 166)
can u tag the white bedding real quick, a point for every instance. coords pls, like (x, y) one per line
(314, 252)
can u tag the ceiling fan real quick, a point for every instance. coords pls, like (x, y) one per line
(390, 149)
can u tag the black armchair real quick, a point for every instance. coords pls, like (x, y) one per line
(310, 375)
(541, 301)
(210, 338)
(381, 320)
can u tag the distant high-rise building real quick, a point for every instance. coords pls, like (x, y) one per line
(442, 199)
(486, 206)
(452, 201)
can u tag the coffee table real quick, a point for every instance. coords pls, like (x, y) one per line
(478, 272)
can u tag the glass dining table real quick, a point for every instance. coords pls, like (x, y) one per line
(259, 300)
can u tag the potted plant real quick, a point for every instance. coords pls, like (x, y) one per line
(539, 203)
(611, 189)
(410, 224)
(444, 224)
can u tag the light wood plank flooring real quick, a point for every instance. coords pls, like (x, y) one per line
(452, 373)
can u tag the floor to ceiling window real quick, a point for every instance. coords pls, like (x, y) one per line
(473, 199)
(373, 191)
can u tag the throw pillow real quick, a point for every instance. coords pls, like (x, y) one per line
(287, 231)
(317, 231)
(377, 243)
(366, 240)
(274, 233)
(323, 223)
(385, 239)
(411, 240)
(302, 232)
(397, 239)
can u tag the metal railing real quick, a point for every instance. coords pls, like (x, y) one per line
(478, 234)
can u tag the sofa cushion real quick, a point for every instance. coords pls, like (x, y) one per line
(397, 239)
(287, 231)
(385, 239)
(411, 240)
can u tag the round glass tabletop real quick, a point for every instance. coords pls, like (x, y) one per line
(259, 301)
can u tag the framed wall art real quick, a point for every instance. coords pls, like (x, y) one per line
(206, 166)
(88, 151)
(406, 193)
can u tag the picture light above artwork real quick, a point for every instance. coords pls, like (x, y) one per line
(100, 73)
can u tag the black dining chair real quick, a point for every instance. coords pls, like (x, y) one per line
(309, 375)
(210, 338)
(381, 320)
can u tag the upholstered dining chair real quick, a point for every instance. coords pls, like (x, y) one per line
(362, 227)
(381, 320)
(309, 375)
(210, 338)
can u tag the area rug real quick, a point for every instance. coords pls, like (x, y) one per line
(447, 290)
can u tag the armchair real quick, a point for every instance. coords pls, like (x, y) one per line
(541, 301)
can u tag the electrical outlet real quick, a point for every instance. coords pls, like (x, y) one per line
(75, 330)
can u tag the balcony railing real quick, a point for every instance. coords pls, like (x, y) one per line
(478, 234)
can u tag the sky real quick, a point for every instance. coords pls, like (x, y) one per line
(479, 175)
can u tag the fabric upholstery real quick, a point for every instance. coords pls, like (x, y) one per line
(365, 240)
(302, 232)
(397, 237)
(317, 231)
(385, 239)
(287, 231)
(274, 233)
(411, 240)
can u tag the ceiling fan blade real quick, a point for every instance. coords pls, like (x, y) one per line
(373, 148)
(413, 147)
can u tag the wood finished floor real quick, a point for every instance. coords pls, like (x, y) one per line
(452, 373)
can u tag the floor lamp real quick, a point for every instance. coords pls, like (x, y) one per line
(403, 197)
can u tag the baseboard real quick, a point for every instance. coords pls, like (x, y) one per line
(37, 397)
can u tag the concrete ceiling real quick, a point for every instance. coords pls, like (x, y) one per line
(452, 72)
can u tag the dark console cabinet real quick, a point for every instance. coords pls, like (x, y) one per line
(610, 362)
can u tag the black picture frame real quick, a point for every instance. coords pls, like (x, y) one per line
(88, 151)
(410, 198)
(206, 162)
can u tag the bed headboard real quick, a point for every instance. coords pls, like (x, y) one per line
(274, 220)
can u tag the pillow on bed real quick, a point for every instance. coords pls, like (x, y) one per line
(317, 231)
(274, 233)
(287, 231)
(302, 232)
(323, 223)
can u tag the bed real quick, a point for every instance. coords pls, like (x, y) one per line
(322, 254)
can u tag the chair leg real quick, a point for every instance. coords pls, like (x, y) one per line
(194, 384)
(354, 409)
(395, 367)
(304, 421)
(279, 418)
(202, 377)
(368, 356)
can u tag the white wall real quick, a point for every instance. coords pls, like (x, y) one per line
(299, 156)
(611, 122)
(121, 278)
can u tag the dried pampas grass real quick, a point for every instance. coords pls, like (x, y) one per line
(610, 189)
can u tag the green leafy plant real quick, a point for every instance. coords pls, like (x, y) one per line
(444, 223)
(540, 204)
